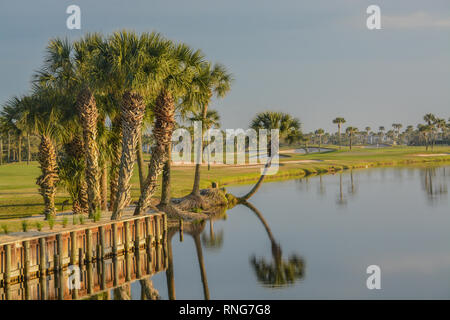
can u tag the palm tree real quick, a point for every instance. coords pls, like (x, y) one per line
(288, 126)
(212, 80)
(180, 64)
(397, 127)
(381, 132)
(211, 120)
(135, 77)
(367, 133)
(319, 133)
(42, 117)
(425, 132)
(10, 114)
(430, 119)
(339, 121)
(351, 131)
(441, 125)
(72, 67)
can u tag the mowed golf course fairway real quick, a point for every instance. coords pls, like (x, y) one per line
(19, 194)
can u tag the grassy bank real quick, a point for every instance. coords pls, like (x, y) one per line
(19, 195)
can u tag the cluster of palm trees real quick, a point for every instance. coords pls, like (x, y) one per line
(90, 103)
(426, 134)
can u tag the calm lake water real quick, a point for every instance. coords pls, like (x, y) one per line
(328, 229)
(312, 238)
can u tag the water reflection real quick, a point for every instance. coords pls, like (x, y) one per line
(279, 272)
(225, 246)
(434, 183)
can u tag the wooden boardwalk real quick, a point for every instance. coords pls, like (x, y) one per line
(102, 257)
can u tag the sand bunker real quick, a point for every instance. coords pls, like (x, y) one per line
(431, 154)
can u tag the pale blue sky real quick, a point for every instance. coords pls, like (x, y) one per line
(314, 59)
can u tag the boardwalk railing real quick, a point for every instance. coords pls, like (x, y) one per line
(83, 261)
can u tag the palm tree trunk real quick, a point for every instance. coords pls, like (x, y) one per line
(9, 147)
(257, 185)
(87, 108)
(49, 177)
(165, 188)
(104, 187)
(339, 136)
(196, 186)
(1, 151)
(350, 142)
(140, 158)
(162, 132)
(28, 149)
(19, 148)
(132, 113)
(83, 197)
(115, 162)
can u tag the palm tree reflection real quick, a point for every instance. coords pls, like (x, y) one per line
(341, 199)
(279, 272)
(434, 183)
(214, 240)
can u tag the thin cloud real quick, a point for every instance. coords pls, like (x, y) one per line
(415, 20)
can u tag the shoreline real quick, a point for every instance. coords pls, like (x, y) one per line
(19, 199)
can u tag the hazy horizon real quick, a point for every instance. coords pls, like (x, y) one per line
(315, 60)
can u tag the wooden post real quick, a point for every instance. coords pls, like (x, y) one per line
(61, 284)
(43, 285)
(73, 248)
(103, 275)
(158, 229)
(149, 241)
(42, 257)
(90, 278)
(101, 232)
(7, 277)
(166, 258)
(114, 239)
(59, 244)
(80, 257)
(115, 271)
(126, 225)
(89, 245)
(137, 234)
(26, 247)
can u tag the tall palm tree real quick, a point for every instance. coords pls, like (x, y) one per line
(211, 120)
(397, 127)
(289, 128)
(42, 117)
(181, 65)
(134, 67)
(351, 131)
(425, 131)
(319, 133)
(430, 119)
(442, 126)
(72, 67)
(10, 116)
(339, 121)
(285, 123)
(212, 80)
(381, 132)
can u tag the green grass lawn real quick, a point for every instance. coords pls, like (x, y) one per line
(19, 195)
